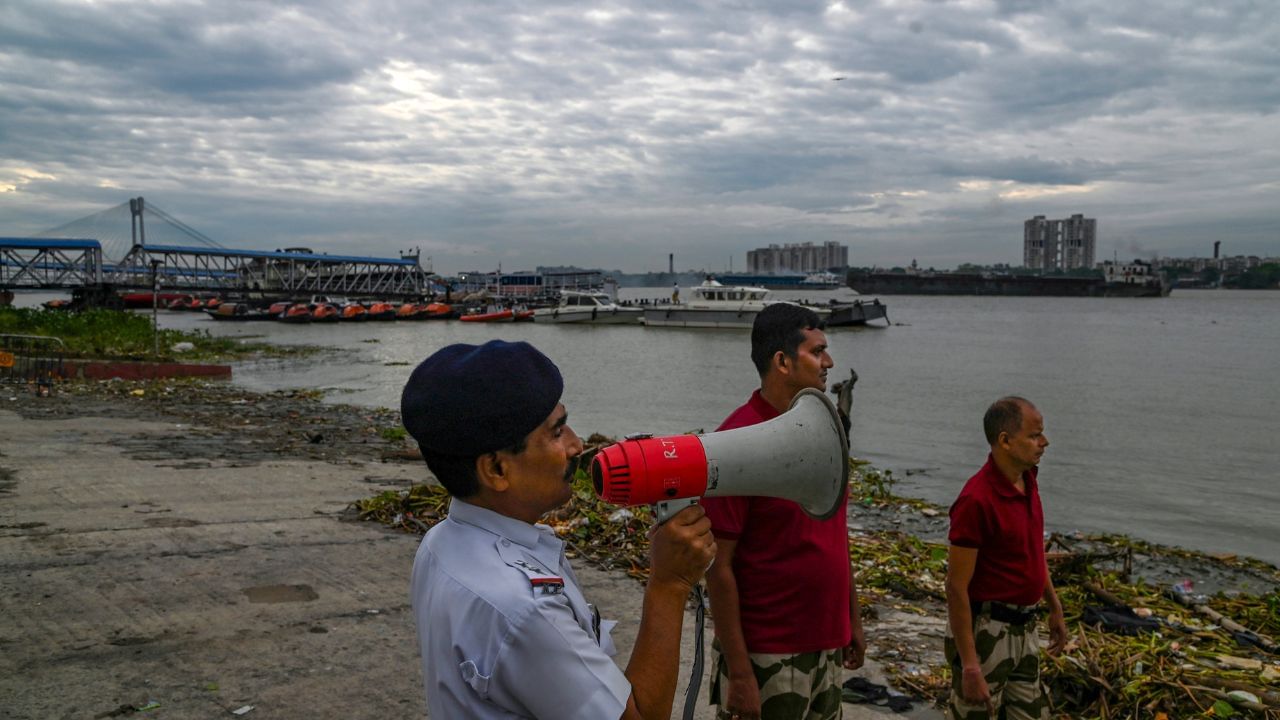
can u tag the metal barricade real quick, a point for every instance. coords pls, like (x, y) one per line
(35, 360)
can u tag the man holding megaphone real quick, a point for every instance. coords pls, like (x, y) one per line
(503, 628)
(782, 592)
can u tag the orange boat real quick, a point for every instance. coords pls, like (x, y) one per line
(382, 311)
(410, 311)
(133, 301)
(499, 315)
(239, 312)
(227, 310)
(324, 312)
(278, 309)
(297, 313)
(438, 311)
(354, 311)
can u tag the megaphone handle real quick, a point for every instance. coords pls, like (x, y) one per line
(664, 510)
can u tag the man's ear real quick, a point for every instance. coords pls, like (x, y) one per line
(491, 472)
(780, 362)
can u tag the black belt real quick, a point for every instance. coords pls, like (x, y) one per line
(1004, 612)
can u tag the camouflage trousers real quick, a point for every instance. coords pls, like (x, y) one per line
(792, 687)
(1010, 655)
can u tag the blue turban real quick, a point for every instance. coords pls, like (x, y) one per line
(468, 400)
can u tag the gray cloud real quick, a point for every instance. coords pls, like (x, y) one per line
(612, 133)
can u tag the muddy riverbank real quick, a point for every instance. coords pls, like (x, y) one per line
(186, 549)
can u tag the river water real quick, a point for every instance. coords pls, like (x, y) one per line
(1162, 413)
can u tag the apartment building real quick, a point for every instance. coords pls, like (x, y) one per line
(1066, 244)
(797, 258)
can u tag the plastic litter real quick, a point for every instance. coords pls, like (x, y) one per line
(243, 710)
(1241, 696)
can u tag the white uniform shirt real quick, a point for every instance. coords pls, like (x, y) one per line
(503, 628)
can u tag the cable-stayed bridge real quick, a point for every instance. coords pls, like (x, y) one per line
(97, 251)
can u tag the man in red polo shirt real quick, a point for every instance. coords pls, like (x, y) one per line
(996, 574)
(782, 593)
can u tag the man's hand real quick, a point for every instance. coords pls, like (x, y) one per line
(1057, 632)
(856, 651)
(682, 548)
(743, 701)
(973, 686)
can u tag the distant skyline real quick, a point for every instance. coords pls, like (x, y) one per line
(609, 134)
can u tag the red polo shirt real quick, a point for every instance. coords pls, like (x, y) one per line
(1006, 527)
(792, 570)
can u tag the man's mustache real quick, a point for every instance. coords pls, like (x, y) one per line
(574, 463)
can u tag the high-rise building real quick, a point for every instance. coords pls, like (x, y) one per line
(798, 257)
(1067, 244)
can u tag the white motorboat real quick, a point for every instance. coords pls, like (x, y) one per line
(711, 305)
(588, 307)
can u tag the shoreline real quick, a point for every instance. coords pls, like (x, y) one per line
(196, 427)
(317, 426)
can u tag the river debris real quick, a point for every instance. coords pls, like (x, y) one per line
(213, 420)
(1212, 657)
(607, 536)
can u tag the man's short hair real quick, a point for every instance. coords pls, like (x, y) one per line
(780, 326)
(457, 473)
(1004, 416)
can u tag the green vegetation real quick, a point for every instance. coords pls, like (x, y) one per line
(869, 485)
(1263, 277)
(119, 335)
(393, 434)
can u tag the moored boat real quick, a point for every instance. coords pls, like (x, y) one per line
(439, 311)
(353, 312)
(498, 314)
(410, 311)
(140, 300)
(297, 313)
(239, 312)
(193, 303)
(588, 307)
(382, 311)
(858, 312)
(711, 305)
(324, 312)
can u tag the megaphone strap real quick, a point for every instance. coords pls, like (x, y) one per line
(695, 675)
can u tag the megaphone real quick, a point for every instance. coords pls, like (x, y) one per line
(801, 455)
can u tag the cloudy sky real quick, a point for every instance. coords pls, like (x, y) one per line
(609, 134)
